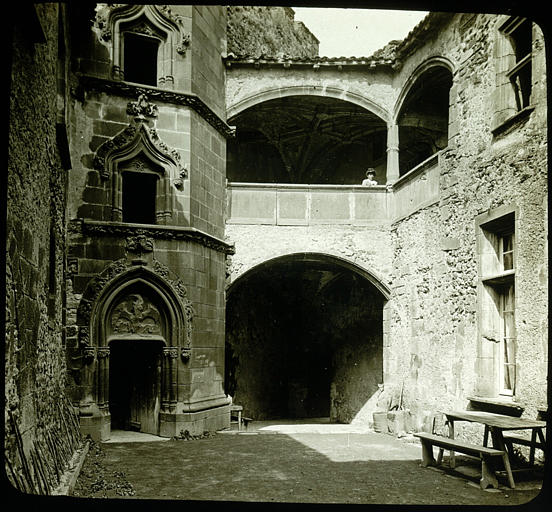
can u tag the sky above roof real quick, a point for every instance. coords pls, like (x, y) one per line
(356, 32)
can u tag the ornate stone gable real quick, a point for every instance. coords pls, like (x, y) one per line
(140, 143)
(133, 313)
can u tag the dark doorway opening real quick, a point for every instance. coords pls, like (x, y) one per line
(140, 59)
(304, 339)
(135, 385)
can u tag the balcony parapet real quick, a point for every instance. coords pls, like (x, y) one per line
(283, 204)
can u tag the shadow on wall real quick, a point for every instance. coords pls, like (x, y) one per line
(304, 341)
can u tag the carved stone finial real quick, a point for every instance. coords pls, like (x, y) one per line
(142, 108)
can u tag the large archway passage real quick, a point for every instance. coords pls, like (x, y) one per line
(304, 339)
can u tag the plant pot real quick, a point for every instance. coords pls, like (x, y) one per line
(380, 421)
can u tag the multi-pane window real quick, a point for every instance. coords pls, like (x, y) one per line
(519, 32)
(508, 341)
(497, 248)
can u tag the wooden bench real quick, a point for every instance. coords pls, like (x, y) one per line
(487, 455)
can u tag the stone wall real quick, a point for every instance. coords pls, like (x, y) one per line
(434, 353)
(176, 134)
(435, 256)
(207, 47)
(367, 247)
(269, 31)
(41, 432)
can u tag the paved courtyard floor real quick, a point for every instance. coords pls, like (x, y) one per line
(298, 462)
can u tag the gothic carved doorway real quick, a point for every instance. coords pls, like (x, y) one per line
(135, 385)
(136, 340)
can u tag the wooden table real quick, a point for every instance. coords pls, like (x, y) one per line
(496, 424)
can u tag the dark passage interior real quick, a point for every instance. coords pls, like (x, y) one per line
(135, 384)
(304, 340)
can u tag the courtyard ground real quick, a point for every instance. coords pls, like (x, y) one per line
(322, 464)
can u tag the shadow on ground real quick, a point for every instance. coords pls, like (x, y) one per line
(354, 468)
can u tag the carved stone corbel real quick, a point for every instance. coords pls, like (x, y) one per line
(89, 354)
(185, 354)
(179, 182)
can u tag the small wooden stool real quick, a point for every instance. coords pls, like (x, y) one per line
(236, 409)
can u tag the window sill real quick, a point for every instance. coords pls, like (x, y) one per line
(500, 279)
(512, 121)
(497, 405)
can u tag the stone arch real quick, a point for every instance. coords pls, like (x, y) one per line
(111, 284)
(369, 275)
(305, 338)
(308, 90)
(303, 134)
(422, 113)
(435, 61)
(156, 20)
(149, 305)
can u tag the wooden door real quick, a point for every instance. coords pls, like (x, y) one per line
(135, 384)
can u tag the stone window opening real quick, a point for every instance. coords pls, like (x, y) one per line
(497, 250)
(518, 32)
(139, 197)
(144, 42)
(151, 168)
(140, 58)
(513, 64)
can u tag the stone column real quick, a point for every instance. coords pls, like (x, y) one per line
(392, 153)
(117, 201)
(103, 377)
(170, 378)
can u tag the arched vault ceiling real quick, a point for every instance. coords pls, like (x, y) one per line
(306, 129)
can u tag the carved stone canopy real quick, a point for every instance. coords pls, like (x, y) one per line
(138, 145)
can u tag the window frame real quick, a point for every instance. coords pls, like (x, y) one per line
(496, 300)
(513, 93)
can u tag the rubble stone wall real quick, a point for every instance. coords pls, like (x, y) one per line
(434, 335)
(41, 434)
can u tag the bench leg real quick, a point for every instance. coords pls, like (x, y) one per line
(541, 439)
(488, 476)
(427, 454)
(498, 443)
(532, 449)
(440, 456)
(452, 459)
